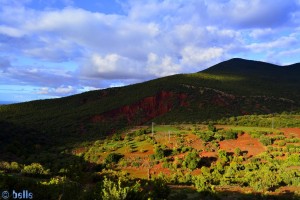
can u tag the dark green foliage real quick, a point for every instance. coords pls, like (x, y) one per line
(160, 152)
(266, 140)
(191, 160)
(116, 137)
(222, 154)
(230, 134)
(113, 158)
(206, 136)
(237, 151)
(35, 169)
(211, 127)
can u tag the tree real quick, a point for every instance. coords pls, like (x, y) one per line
(202, 184)
(237, 151)
(230, 134)
(114, 191)
(211, 127)
(191, 160)
(35, 169)
(222, 154)
(264, 178)
(207, 136)
(113, 158)
(266, 140)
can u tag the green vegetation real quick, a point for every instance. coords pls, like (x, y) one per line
(90, 146)
(264, 173)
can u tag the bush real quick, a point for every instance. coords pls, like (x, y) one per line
(112, 190)
(281, 143)
(35, 169)
(211, 127)
(191, 160)
(117, 137)
(222, 154)
(113, 158)
(206, 136)
(202, 184)
(266, 140)
(231, 134)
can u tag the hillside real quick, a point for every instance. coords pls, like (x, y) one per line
(232, 88)
(66, 146)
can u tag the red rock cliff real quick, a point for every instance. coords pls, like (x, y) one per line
(145, 109)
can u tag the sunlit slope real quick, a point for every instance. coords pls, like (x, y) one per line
(232, 88)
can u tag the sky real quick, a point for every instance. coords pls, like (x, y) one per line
(57, 48)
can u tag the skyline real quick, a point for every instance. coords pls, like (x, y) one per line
(58, 48)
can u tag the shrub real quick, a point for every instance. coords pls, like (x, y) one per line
(206, 136)
(117, 137)
(113, 158)
(35, 169)
(191, 160)
(202, 184)
(112, 190)
(266, 140)
(222, 154)
(281, 143)
(231, 134)
(211, 127)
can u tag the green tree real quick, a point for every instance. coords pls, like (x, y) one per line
(191, 160)
(35, 169)
(237, 151)
(211, 127)
(113, 158)
(202, 184)
(266, 140)
(114, 191)
(222, 154)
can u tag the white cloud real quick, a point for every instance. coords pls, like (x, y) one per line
(112, 66)
(117, 84)
(43, 90)
(252, 14)
(10, 31)
(261, 33)
(194, 56)
(151, 39)
(164, 66)
(283, 42)
(62, 90)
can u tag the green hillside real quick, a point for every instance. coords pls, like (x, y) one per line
(70, 136)
(231, 88)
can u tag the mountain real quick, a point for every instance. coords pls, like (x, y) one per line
(232, 88)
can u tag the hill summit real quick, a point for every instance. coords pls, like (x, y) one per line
(231, 88)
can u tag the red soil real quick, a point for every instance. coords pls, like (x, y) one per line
(149, 108)
(194, 141)
(155, 170)
(208, 154)
(288, 132)
(245, 143)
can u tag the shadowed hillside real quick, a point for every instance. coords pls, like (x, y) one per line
(57, 146)
(231, 88)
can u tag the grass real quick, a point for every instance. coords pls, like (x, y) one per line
(249, 129)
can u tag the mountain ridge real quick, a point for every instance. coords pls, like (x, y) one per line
(208, 95)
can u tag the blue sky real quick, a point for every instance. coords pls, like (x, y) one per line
(55, 48)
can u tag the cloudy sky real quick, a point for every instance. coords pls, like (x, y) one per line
(56, 48)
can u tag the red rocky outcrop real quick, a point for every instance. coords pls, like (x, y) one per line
(146, 109)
